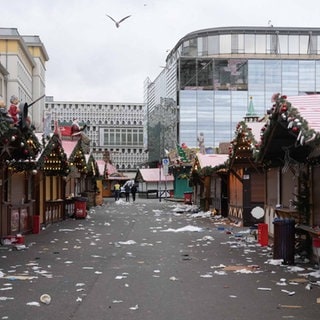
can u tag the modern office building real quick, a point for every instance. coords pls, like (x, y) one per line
(22, 71)
(211, 74)
(115, 129)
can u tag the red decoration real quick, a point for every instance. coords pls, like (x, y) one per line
(284, 108)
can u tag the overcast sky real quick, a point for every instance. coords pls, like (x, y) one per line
(92, 60)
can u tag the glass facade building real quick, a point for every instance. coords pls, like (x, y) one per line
(211, 74)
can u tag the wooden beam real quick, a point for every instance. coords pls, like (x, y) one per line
(236, 175)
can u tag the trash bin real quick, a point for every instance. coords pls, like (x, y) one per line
(284, 240)
(35, 224)
(80, 207)
(263, 238)
(316, 249)
(187, 197)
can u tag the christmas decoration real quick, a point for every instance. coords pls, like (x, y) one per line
(53, 160)
(244, 143)
(284, 114)
(18, 148)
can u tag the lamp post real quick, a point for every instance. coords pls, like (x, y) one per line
(160, 181)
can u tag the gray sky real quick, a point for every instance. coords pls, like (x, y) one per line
(92, 60)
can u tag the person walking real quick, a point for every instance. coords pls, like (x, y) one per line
(133, 191)
(127, 192)
(117, 188)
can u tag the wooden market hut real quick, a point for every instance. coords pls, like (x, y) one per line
(209, 187)
(246, 177)
(154, 182)
(288, 150)
(50, 183)
(92, 175)
(19, 148)
(76, 179)
(181, 160)
(111, 177)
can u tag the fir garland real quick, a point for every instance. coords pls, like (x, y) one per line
(283, 113)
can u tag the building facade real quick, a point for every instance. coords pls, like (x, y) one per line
(22, 71)
(211, 74)
(115, 129)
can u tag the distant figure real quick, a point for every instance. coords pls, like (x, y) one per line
(201, 143)
(133, 192)
(117, 189)
(127, 192)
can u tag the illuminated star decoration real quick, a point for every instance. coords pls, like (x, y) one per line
(117, 23)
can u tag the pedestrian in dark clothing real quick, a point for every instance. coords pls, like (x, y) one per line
(133, 191)
(127, 192)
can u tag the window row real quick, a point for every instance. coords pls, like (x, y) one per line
(93, 107)
(242, 75)
(122, 136)
(275, 43)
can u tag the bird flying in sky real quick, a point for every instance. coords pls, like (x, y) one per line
(117, 23)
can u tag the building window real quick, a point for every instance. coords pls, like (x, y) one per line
(261, 44)
(283, 44)
(249, 43)
(312, 46)
(225, 43)
(230, 74)
(213, 45)
(304, 42)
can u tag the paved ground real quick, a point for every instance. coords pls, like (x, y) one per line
(145, 260)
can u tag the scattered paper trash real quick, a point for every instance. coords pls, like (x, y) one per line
(6, 298)
(207, 275)
(289, 306)
(127, 242)
(33, 303)
(136, 307)
(290, 293)
(183, 229)
(45, 298)
(220, 272)
(282, 282)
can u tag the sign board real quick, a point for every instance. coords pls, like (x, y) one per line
(165, 165)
